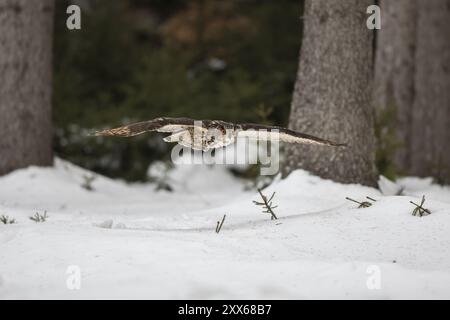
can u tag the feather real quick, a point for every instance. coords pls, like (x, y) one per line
(197, 133)
(262, 132)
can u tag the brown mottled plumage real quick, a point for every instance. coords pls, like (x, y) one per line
(211, 134)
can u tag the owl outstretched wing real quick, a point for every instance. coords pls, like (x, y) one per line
(274, 133)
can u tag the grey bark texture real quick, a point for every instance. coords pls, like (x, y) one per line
(430, 134)
(394, 71)
(333, 93)
(412, 74)
(26, 31)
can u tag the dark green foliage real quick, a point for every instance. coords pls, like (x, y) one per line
(387, 143)
(120, 67)
(440, 169)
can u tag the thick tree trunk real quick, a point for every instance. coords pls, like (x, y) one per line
(26, 30)
(430, 134)
(394, 70)
(332, 95)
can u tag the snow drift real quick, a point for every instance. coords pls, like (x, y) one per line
(130, 241)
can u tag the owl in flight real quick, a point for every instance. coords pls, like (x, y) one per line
(211, 134)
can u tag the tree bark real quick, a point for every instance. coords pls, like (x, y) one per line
(26, 31)
(332, 96)
(430, 134)
(394, 71)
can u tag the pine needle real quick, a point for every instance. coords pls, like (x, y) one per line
(220, 224)
(7, 220)
(267, 204)
(419, 209)
(363, 204)
(39, 217)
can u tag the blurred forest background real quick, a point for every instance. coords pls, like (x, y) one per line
(317, 66)
(136, 60)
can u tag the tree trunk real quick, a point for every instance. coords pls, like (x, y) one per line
(430, 134)
(26, 31)
(332, 95)
(394, 71)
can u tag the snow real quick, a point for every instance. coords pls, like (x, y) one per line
(131, 241)
(388, 187)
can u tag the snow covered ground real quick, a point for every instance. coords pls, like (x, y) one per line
(130, 241)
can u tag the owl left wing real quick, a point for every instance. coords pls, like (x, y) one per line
(159, 124)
